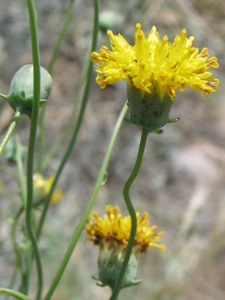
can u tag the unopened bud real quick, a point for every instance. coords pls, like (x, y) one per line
(21, 92)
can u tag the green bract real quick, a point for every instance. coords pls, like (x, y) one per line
(148, 110)
(110, 262)
(20, 96)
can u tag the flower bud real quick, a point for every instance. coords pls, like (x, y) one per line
(109, 19)
(20, 96)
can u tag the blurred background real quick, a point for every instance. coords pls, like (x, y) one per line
(181, 182)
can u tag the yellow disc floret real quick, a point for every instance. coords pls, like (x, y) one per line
(113, 231)
(172, 65)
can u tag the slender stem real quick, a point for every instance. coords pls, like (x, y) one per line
(78, 124)
(45, 161)
(132, 212)
(61, 35)
(91, 201)
(12, 281)
(13, 294)
(9, 132)
(21, 176)
(13, 237)
(31, 144)
(22, 183)
(41, 139)
(50, 70)
(18, 264)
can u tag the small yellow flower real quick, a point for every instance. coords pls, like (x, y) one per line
(152, 60)
(113, 230)
(42, 187)
(112, 233)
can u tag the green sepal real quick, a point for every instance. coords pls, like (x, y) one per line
(158, 131)
(173, 120)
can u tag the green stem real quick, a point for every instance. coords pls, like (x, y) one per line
(78, 124)
(41, 139)
(21, 176)
(45, 161)
(12, 281)
(9, 132)
(13, 294)
(18, 264)
(91, 201)
(13, 237)
(31, 143)
(50, 70)
(132, 212)
(22, 183)
(60, 36)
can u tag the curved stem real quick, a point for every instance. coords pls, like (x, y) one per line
(9, 132)
(31, 143)
(132, 212)
(91, 201)
(78, 124)
(12, 281)
(13, 294)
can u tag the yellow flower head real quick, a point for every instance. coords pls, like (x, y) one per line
(113, 231)
(43, 185)
(171, 65)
